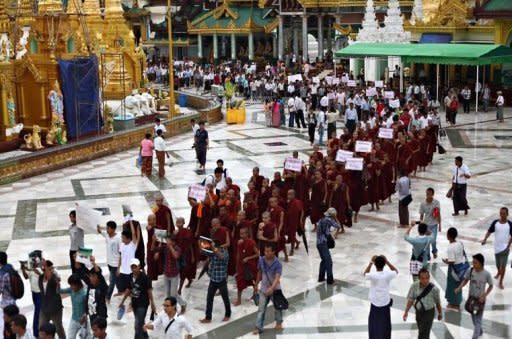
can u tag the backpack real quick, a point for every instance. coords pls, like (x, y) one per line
(203, 183)
(16, 287)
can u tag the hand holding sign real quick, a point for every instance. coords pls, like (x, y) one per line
(363, 146)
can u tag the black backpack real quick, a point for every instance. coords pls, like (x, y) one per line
(16, 287)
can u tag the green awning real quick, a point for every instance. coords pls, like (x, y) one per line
(446, 54)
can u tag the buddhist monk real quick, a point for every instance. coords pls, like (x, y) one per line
(189, 251)
(340, 200)
(267, 232)
(294, 219)
(277, 217)
(155, 267)
(163, 215)
(318, 198)
(247, 255)
(241, 222)
(256, 178)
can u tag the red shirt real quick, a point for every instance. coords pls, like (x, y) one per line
(171, 264)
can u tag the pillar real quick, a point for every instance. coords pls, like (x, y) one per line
(223, 46)
(320, 38)
(199, 46)
(295, 39)
(251, 46)
(329, 34)
(305, 46)
(280, 39)
(233, 46)
(215, 47)
(274, 45)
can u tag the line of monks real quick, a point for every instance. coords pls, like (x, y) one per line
(275, 210)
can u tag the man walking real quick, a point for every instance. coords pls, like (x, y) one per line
(420, 245)
(113, 243)
(323, 233)
(201, 143)
(425, 298)
(379, 320)
(218, 272)
(430, 214)
(502, 229)
(160, 152)
(460, 175)
(269, 274)
(170, 322)
(76, 239)
(477, 277)
(403, 188)
(351, 117)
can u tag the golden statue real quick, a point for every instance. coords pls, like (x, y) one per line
(33, 140)
(109, 119)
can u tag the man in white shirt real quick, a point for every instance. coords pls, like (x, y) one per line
(502, 229)
(324, 103)
(321, 126)
(170, 323)
(291, 111)
(500, 101)
(76, 239)
(466, 98)
(351, 117)
(159, 144)
(379, 321)
(113, 243)
(300, 107)
(340, 101)
(159, 127)
(129, 242)
(459, 179)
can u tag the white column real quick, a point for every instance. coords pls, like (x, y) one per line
(320, 38)
(233, 46)
(295, 39)
(401, 76)
(305, 46)
(329, 34)
(215, 47)
(476, 86)
(199, 46)
(251, 46)
(280, 39)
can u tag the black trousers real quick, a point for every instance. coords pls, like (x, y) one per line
(379, 322)
(72, 260)
(460, 203)
(331, 128)
(299, 118)
(311, 132)
(212, 289)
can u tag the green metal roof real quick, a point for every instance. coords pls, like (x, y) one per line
(498, 5)
(447, 54)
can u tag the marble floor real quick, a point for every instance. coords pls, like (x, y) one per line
(33, 215)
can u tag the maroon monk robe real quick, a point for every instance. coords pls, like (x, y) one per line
(258, 182)
(245, 248)
(275, 216)
(263, 199)
(294, 210)
(269, 230)
(193, 222)
(155, 267)
(317, 204)
(164, 218)
(235, 234)
(189, 251)
(340, 203)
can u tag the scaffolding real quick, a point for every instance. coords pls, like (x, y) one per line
(109, 61)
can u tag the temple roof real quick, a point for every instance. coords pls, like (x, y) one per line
(498, 5)
(493, 9)
(231, 19)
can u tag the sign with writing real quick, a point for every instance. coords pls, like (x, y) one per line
(197, 192)
(344, 79)
(87, 218)
(351, 83)
(386, 133)
(379, 83)
(394, 103)
(354, 164)
(363, 146)
(371, 92)
(342, 155)
(389, 94)
(293, 164)
(293, 78)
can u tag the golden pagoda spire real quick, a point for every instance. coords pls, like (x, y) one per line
(113, 9)
(4, 19)
(50, 6)
(26, 15)
(91, 7)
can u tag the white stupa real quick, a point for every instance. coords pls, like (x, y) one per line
(369, 31)
(393, 30)
(417, 12)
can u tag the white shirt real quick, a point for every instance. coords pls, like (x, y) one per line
(159, 144)
(291, 104)
(423, 122)
(455, 253)
(466, 94)
(324, 102)
(321, 118)
(175, 331)
(291, 88)
(300, 104)
(350, 114)
(127, 254)
(340, 98)
(113, 245)
(195, 128)
(500, 100)
(379, 288)
(457, 174)
(160, 127)
(501, 236)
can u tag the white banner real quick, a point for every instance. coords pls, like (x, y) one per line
(386, 133)
(351, 83)
(293, 164)
(87, 218)
(344, 79)
(371, 92)
(293, 78)
(363, 146)
(335, 81)
(354, 164)
(389, 94)
(197, 192)
(394, 103)
(342, 155)
(379, 83)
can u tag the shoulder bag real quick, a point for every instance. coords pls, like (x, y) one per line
(278, 298)
(422, 295)
(416, 263)
(459, 270)
(473, 304)
(169, 325)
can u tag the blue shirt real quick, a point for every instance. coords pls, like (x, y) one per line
(78, 300)
(218, 268)
(324, 228)
(268, 272)
(419, 246)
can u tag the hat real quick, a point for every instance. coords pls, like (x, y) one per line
(331, 212)
(135, 262)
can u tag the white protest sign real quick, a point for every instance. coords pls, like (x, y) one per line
(389, 94)
(394, 103)
(160, 235)
(342, 155)
(87, 218)
(197, 192)
(351, 83)
(335, 81)
(354, 164)
(84, 256)
(344, 79)
(371, 92)
(379, 83)
(293, 78)
(363, 146)
(328, 79)
(316, 80)
(386, 133)
(293, 164)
